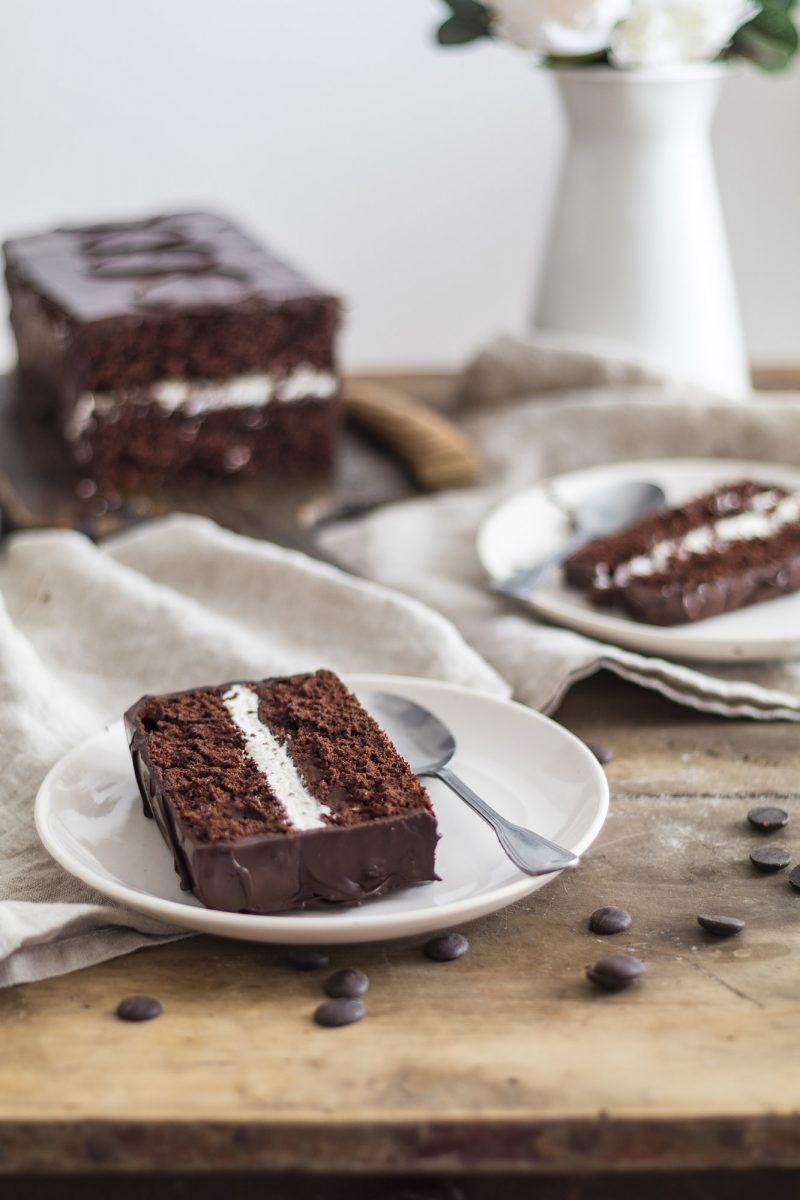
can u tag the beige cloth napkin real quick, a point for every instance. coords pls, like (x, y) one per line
(527, 429)
(85, 631)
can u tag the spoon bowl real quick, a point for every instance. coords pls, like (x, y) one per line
(600, 513)
(428, 746)
(614, 506)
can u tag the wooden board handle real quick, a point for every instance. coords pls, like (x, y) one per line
(437, 453)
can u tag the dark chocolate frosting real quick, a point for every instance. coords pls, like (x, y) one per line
(718, 578)
(186, 261)
(280, 869)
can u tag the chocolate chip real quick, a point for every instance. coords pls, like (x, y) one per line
(347, 984)
(720, 926)
(616, 972)
(138, 1008)
(770, 858)
(768, 818)
(609, 920)
(303, 958)
(602, 753)
(446, 947)
(794, 877)
(341, 1011)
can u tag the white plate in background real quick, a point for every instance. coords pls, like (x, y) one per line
(533, 523)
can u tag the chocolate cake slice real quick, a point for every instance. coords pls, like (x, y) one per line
(280, 794)
(174, 344)
(737, 545)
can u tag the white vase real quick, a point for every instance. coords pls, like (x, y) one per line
(638, 255)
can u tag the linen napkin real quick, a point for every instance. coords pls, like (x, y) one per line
(85, 631)
(609, 411)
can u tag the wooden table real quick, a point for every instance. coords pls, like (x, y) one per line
(467, 1078)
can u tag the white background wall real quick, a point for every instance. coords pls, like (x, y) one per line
(415, 181)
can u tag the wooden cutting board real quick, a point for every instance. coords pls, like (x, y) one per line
(393, 446)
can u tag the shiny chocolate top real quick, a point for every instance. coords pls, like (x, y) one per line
(182, 261)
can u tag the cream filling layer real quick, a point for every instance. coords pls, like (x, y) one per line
(768, 515)
(196, 398)
(303, 811)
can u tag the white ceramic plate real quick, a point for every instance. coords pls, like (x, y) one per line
(89, 816)
(533, 523)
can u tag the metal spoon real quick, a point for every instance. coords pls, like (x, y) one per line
(428, 745)
(595, 515)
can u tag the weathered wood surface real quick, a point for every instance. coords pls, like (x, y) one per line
(503, 1060)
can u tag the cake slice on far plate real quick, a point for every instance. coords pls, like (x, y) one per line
(734, 546)
(280, 794)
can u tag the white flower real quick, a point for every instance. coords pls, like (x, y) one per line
(558, 27)
(663, 32)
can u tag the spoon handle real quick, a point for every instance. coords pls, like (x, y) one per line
(531, 852)
(522, 583)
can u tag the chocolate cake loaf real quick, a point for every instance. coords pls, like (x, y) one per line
(173, 344)
(280, 794)
(737, 545)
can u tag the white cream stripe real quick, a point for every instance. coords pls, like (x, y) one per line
(194, 398)
(766, 516)
(303, 811)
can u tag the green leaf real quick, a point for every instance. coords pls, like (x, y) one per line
(771, 39)
(470, 20)
(596, 58)
(471, 11)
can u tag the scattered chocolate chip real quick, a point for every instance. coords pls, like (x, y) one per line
(720, 926)
(609, 920)
(768, 818)
(138, 1008)
(770, 858)
(794, 877)
(446, 947)
(303, 958)
(347, 984)
(602, 753)
(341, 1011)
(616, 972)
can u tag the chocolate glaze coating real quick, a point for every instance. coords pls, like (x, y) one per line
(195, 262)
(666, 603)
(702, 585)
(278, 870)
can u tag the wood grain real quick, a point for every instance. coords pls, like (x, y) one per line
(503, 1060)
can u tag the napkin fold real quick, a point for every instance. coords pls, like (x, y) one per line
(538, 407)
(86, 630)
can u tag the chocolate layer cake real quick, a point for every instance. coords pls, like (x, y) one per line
(174, 344)
(731, 547)
(280, 794)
